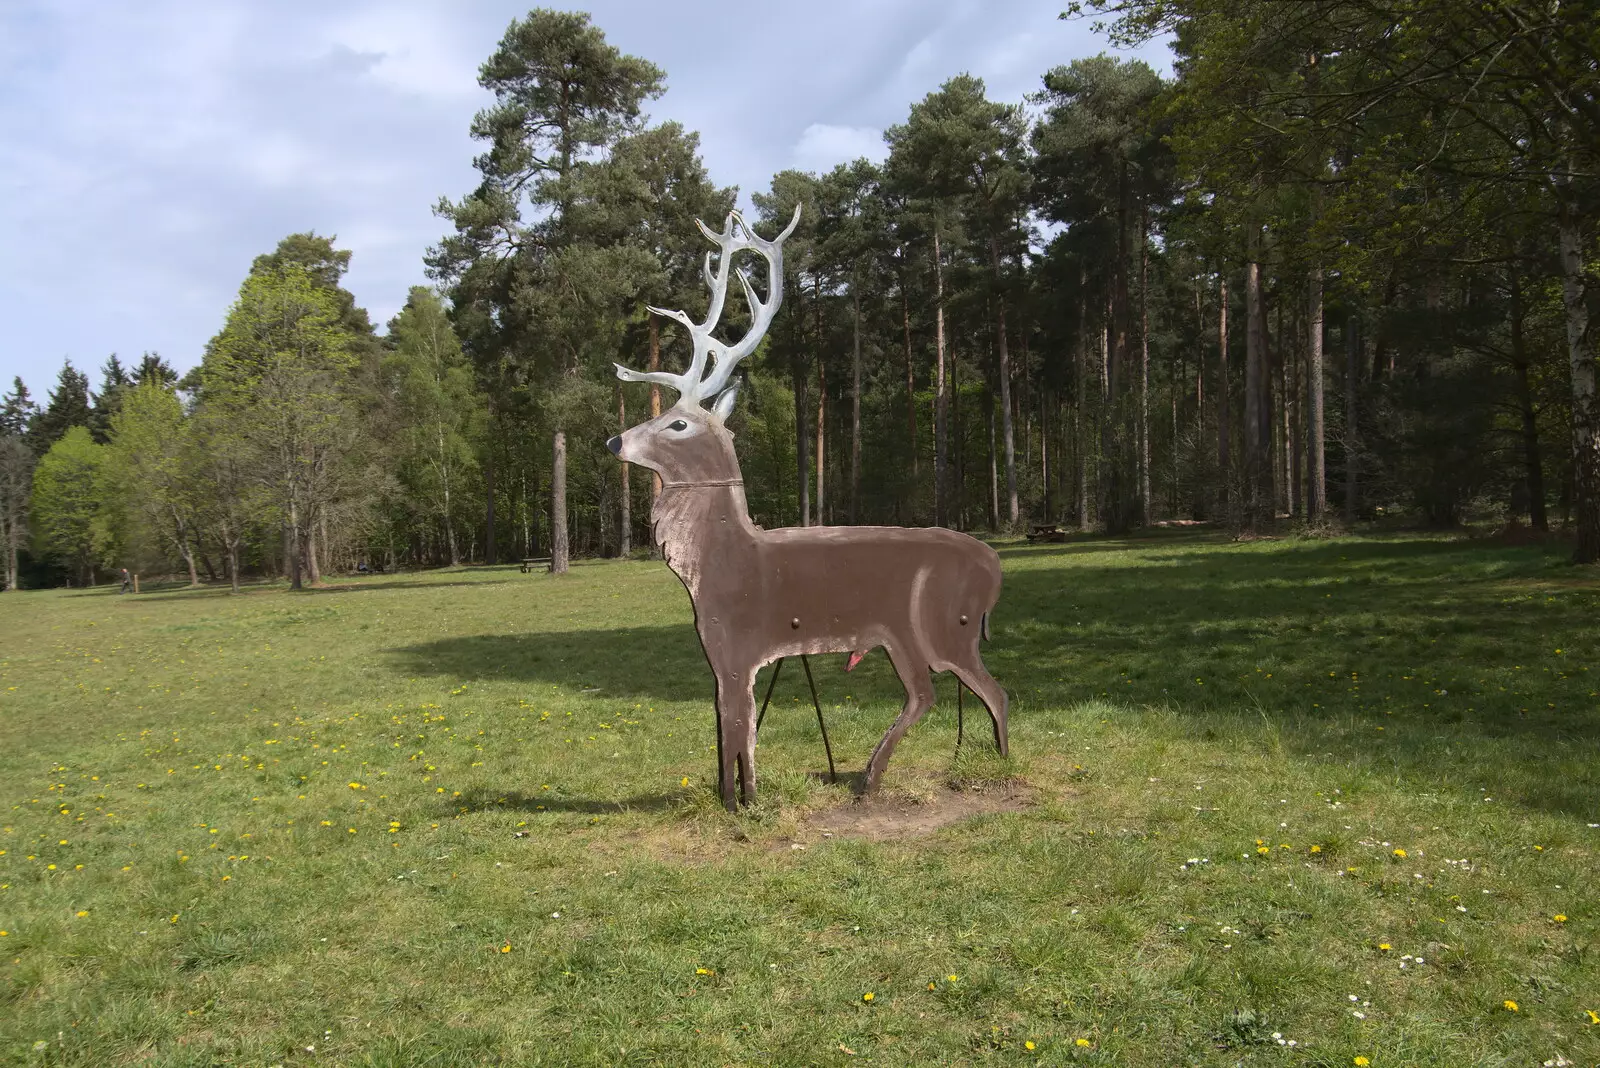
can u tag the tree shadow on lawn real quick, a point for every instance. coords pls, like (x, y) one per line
(1455, 617)
(662, 663)
(1275, 636)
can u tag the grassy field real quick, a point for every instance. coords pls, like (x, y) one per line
(1287, 802)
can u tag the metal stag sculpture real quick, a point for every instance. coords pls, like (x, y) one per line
(760, 595)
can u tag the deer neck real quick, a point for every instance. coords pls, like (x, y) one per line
(698, 523)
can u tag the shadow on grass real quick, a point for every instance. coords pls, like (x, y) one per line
(1427, 655)
(660, 662)
(546, 802)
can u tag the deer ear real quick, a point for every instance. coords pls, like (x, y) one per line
(722, 407)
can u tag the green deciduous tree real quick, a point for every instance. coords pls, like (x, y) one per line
(438, 412)
(150, 486)
(278, 372)
(67, 496)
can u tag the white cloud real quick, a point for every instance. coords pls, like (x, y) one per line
(821, 147)
(418, 49)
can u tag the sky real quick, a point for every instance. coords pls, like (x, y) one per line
(150, 151)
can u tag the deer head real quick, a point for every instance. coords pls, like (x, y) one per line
(689, 441)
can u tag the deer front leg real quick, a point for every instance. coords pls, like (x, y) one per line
(736, 737)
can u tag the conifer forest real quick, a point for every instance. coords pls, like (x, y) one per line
(1340, 266)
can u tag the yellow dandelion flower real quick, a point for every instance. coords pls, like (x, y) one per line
(1028, 1044)
(1511, 1006)
(1316, 849)
(83, 912)
(1401, 853)
(1386, 947)
(704, 971)
(684, 781)
(1360, 1062)
(951, 978)
(1560, 917)
(1082, 1042)
(867, 996)
(1262, 850)
(931, 986)
(506, 948)
(1594, 1017)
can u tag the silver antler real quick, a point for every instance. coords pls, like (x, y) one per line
(736, 236)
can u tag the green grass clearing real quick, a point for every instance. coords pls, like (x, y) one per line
(442, 819)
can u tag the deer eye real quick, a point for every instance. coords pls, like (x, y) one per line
(677, 424)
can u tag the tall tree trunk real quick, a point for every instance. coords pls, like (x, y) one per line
(994, 472)
(1180, 375)
(558, 506)
(855, 413)
(232, 544)
(822, 398)
(911, 392)
(313, 566)
(1224, 417)
(1119, 481)
(1288, 389)
(1196, 505)
(1316, 458)
(294, 545)
(490, 557)
(1257, 414)
(1008, 427)
(822, 438)
(802, 453)
(625, 534)
(1352, 416)
(941, 409)
(1044, 460)
(1144, 364)
(188, 560)
(1080, 427)
(1585, 405)
(1532, 461)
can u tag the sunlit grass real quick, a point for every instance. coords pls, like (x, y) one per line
(444, 819)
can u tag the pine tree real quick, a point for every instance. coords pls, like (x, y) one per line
(69, 407)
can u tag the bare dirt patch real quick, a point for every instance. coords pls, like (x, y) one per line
(890, 818)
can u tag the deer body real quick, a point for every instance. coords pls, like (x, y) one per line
(924, 595)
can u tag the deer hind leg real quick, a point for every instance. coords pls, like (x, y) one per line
(991, 693)
(914, 677)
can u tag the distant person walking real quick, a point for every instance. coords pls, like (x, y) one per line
(127, 581)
